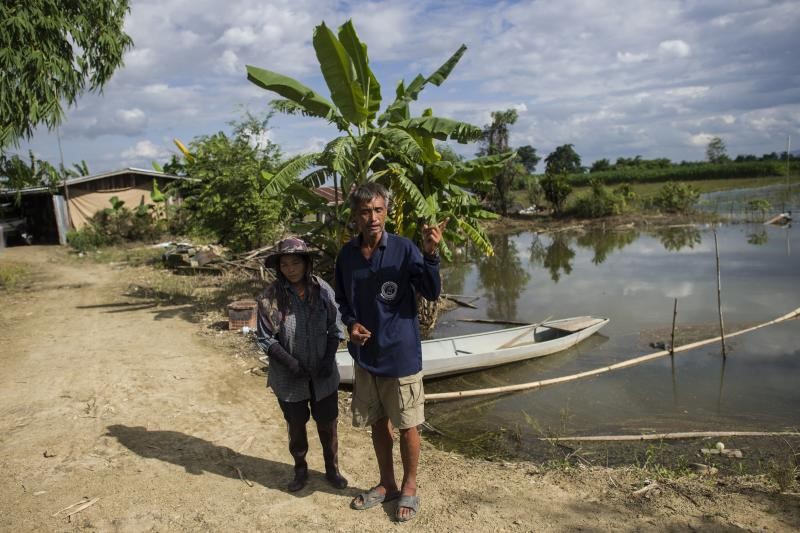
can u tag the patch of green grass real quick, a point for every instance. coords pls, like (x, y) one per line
(12, 275)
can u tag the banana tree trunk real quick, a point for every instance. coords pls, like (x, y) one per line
(428, 313)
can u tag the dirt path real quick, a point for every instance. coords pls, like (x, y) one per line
(107, 396)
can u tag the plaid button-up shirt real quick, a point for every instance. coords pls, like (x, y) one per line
(304, 333)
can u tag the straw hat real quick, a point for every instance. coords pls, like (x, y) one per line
(292, 245)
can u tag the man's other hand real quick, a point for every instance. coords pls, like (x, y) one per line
(359, 334)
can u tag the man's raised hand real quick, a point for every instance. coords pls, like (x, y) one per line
(432, 236)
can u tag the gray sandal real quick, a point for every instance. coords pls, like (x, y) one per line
(411, 502)
(372, 497)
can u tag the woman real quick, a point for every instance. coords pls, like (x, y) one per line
(298, 328)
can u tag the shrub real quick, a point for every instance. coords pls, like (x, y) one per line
(115, 225)
(676, 197)
(556, 189)
(601, 201)
(84, 239)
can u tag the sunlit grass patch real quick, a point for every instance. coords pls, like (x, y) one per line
(12, 275)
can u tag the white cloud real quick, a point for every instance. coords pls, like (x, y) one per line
(679, 290)
(677, 48)
(701, 139)
(156, 88)
(145, 150)
(630, 57)
(687, 92)
(239, 36)
(229, 62)
(132, 116)
(140, 58)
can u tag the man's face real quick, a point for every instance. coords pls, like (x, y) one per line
(371, 217)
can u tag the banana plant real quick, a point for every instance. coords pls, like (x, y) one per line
(392, 147)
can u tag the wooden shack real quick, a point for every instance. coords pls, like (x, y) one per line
(51, 213)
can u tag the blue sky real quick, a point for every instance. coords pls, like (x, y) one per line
(615, 78)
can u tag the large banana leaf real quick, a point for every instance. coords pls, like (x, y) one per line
(289, 107)
(480, 169)
(476, 236)
(442, 171)
(398, 110)
(339, 73)
(338, 154)
(412, 194)
(441, 74)
(441, 129)
(293, 90)
(402, 142)
(313, 201)
(366, 78)
(288, 174)
(316, 178)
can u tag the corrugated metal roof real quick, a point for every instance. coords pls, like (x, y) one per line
(129, 170)
(92, 177)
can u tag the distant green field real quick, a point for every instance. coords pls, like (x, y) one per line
(650, 189)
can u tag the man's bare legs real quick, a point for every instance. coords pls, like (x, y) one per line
(383, 442)
(409, 452)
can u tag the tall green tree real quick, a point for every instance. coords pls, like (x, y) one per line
(600, 165)
(716, 151)
(52, 51)
(391, 147)
(227, 199)
(563, 160)
(528, 158)
(495, 141)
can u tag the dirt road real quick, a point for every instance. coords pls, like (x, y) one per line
(108, 396)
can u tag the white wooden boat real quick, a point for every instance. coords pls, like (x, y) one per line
(455, 355)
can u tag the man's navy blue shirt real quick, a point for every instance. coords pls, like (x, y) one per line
(380, 293)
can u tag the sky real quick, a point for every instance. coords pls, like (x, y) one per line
(615, 78)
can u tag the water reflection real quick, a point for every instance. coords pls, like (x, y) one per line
(759, 238)
(603, 243)
(677, 238)
(558, 257)
(503, 277)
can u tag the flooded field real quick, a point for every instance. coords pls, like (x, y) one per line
(631, 277)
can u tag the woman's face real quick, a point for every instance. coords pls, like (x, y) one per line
(293, 267)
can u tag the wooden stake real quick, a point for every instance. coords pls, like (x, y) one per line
(719, 299)
(672, 338)
(616, 366)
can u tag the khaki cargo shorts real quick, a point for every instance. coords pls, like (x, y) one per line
(402, 400)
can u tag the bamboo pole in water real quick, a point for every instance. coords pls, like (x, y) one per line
(672, 338)
(679, 435)
(602, 370)
(719, 299)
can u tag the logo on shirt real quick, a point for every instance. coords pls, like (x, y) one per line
(389, 291)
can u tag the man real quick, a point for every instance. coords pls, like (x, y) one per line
(378, 276)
